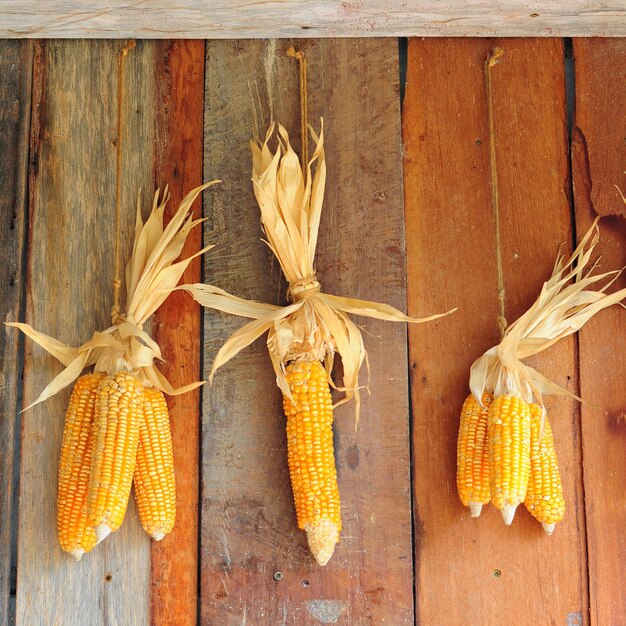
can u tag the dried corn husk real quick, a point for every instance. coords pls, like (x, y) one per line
(151, 275)
(561, 309)
(315, 325)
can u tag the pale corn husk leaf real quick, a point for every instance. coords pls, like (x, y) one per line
(60, 351)
(155, 253)
(316, 325)
(155, 377)
(161, 287)
(249, 333)
(561, 309)
(216, 298)
(377, 310)
(63, 379)
(151, 275)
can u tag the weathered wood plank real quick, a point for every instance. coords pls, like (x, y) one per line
(249, 531)
(179, 82)
(69, 273)
(476, 570)
(598, 165)
(15, 87)
(229, 19)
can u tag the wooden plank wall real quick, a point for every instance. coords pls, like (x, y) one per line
(599, 161)
(248, 524)
(15, 85)
(409, 552)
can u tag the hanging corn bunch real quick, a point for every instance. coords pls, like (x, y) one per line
(117, 425)
(509, 421)
(304, 336)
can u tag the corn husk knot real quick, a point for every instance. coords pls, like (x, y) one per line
(302, 289)
(565, 304)
(151, 275)
(315, 325)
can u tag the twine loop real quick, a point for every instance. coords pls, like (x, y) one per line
(118, 318)
(117, 280)
(502, 325)
(492, 59)
(304, 288)
(304, 107)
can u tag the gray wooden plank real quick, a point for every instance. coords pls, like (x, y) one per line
(69, 273)
(15, 86)
(249, 530)
(311, 18)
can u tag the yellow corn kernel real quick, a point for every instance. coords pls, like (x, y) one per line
(508, 424)
(76, 535)
(155, 485)
(311, 456)
(544, 498)
(116, 436)
(472, 469)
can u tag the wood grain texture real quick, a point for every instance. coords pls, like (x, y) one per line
(179, 102)
(227, 19)
(69, 296)
(15, 89)
(249, 531)
(599, 152)
(473, 570)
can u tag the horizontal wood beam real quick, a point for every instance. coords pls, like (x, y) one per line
(245, 19)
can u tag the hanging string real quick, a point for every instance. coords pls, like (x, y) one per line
(304, 105)
(117, 279)
(493, 58)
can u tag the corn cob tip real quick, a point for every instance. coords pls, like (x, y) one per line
(102, 532)
(549, 528)
(508, 513)
(157, 535)
(475, 508)
(77, 553)
(322, 536)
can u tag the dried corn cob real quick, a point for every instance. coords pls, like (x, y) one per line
(76, 535)
(509, 453)
(155, 485)
(311, 458)
(116, 436)
(472, 475)
(544, 498)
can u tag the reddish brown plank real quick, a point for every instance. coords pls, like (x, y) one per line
(16, 60)
(179, 102)
(599, 161)
(479, 571)
(249, 532)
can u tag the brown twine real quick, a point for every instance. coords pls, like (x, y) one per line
(117, 279)
(304, 108)
(492, 58)
(309, 285)
(303, 288)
